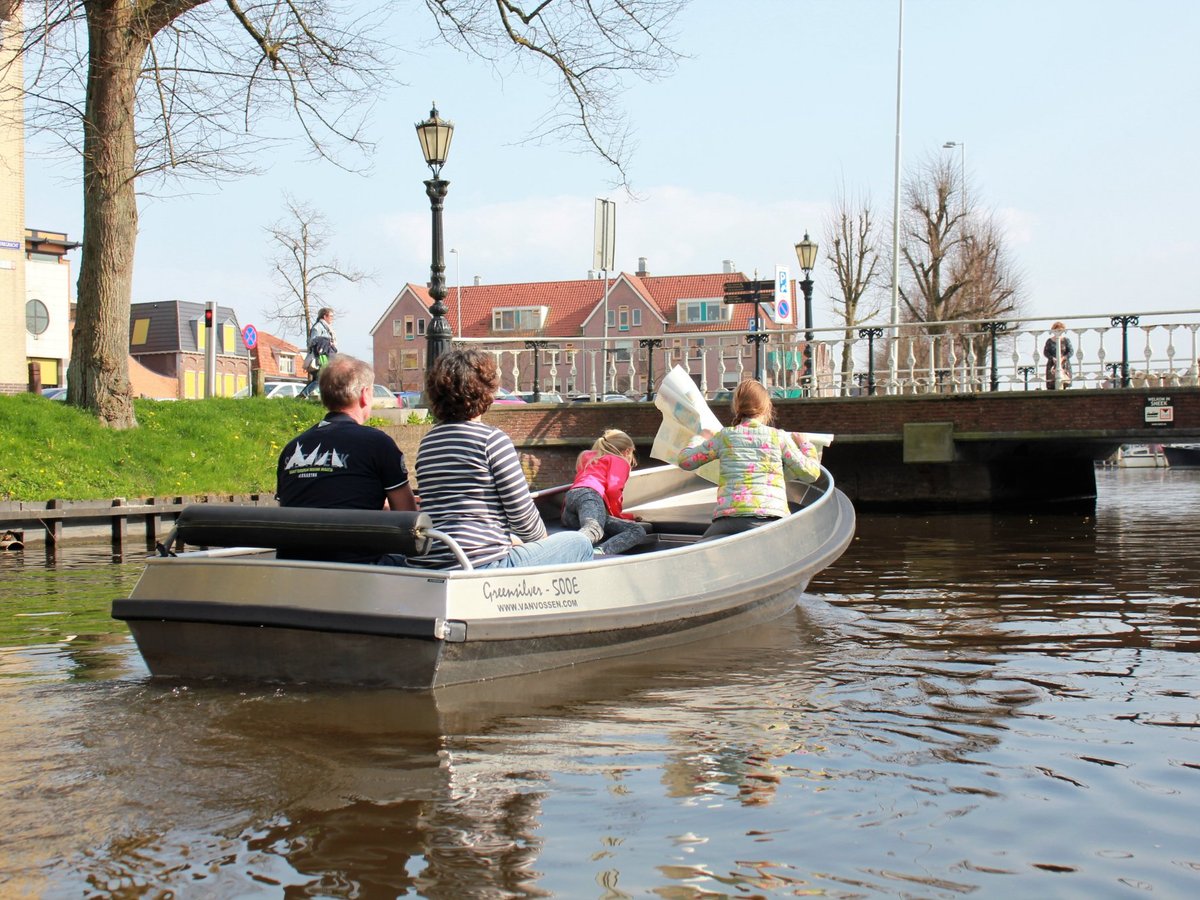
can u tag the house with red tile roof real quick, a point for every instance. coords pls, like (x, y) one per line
(277, 358)
(651, 323)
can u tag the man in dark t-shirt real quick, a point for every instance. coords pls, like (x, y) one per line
(340, 463)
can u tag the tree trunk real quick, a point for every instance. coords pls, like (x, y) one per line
(99, 374)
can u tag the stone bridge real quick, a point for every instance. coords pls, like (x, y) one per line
(909, 452)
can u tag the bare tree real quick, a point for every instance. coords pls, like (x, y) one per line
(301, 237)
(171, 87)
(851, 249)
(957, 267)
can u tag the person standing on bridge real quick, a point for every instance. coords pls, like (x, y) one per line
(1058, 352)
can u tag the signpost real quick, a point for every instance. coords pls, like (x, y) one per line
(250, 339)
(783, 296)
(755, 292)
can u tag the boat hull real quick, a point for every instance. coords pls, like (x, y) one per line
(243, 615)
(1182, 456)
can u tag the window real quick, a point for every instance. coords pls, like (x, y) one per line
(397, 327)
(409, 328)
(421, 326)
(612, 318)
(37, 317)
(637, 317)
(410, 359)
(624, 351)
(696, 350)
(228, 337)
(623, 318)
(201, 336)
(287, 364)
(523, 318)
(141, 328)
(696, 311)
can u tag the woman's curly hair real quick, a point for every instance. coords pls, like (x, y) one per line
(461, 384)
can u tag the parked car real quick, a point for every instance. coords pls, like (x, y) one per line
(602, 398)
(382, 397)
(544, 396)
(408, 399)
(54, 393)
(275, 389)
(506, 398)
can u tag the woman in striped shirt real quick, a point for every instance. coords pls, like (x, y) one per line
(470, 481)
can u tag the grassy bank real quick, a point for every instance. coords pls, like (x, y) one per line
(49, 450)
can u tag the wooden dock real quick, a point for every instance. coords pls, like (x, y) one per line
(53, 522)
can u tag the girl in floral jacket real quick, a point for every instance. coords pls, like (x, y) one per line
(754, 461)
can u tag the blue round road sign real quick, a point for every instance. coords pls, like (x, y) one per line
(250, 336)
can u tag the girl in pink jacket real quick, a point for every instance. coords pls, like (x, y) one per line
(593, 504)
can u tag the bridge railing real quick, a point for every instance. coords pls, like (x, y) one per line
(1154, 349)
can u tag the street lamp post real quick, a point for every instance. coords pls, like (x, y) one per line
(806, 253)
(962, 168)
(435, 134)
(537, 347)
(1124, 322)
(870, 334)
(649, 344)
(995, 328)
(1026, 371)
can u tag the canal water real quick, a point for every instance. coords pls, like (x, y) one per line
(983, 705)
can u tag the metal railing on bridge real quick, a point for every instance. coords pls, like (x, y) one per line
(1151, 349)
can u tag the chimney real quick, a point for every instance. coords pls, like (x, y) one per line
(728, 267)
(641, 272)
(478, 280)
(591, 274)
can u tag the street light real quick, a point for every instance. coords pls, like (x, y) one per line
(962, 167)
(435, 134)
(806, 253)
(458, 283)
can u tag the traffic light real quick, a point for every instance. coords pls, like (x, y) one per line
(208, 318)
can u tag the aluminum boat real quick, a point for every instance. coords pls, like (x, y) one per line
(230, 609)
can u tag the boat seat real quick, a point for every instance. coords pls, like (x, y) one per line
(297, 530)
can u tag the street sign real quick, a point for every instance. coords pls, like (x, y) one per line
(783, 296)
(1159, 412)
(250, 336)
(749, 291)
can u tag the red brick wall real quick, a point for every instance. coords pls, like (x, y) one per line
(550, 437)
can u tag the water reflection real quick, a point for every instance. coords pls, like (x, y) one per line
(991, 705)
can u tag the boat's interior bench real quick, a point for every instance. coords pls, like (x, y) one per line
(295, 531)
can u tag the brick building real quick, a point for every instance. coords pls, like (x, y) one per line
(651, 323)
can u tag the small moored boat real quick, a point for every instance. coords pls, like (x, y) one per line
(1182, 456)
(232, 610)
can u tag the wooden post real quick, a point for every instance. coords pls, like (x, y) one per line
(118, 529)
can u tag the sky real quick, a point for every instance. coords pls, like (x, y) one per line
(1078, 119)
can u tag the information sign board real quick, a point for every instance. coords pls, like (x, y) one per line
(1160, 413)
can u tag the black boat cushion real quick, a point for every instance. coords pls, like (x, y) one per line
(296, 529)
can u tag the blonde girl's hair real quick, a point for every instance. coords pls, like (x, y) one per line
(613, 442)
(751, 401)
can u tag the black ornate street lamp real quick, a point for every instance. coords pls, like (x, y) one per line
(435, 134)
(1026, 371)
(870, 334)
(536, 347)
(1124, 322)
(649, 344)
(806, 253)
(1113, 369)
(995, 328)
